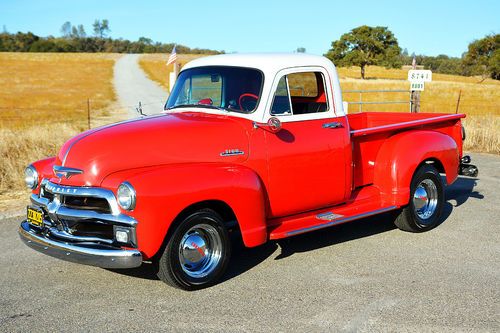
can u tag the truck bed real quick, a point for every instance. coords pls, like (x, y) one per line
(369, 130)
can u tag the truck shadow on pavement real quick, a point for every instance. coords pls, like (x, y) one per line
(462, 189)
(244, 259)
(459, 192)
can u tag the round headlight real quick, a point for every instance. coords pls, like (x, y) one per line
(31, 177)
(126, 196)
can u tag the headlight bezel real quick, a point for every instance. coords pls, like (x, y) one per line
(33, 184)
(126, 196)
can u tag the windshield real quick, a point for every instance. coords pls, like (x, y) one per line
(226, 88)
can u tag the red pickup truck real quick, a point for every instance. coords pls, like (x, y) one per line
(257, 146)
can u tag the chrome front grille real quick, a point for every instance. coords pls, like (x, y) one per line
(80, 214)
(86, 203)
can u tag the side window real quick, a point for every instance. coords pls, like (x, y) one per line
(281, 102)
(303, 84)
(304, 90)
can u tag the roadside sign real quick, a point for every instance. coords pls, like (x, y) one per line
(419, 75)
(417, 86)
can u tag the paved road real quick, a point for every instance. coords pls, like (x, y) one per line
(133, 86)
(363, 276)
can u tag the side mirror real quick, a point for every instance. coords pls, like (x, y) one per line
(272, 125)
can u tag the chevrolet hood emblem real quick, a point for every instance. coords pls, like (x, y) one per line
(61, 172)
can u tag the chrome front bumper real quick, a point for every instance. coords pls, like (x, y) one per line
(82, 253)
(81, 233)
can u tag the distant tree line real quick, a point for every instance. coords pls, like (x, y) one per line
(75, 39)
(364, 46)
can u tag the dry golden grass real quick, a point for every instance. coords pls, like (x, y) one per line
(43, 102)
(53, 86)
(19, 147)
(483, 132)
(376, 72)
(438, 96)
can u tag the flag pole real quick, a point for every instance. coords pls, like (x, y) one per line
(173, 60)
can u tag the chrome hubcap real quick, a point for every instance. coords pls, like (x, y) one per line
(200, 251)
(425, 199)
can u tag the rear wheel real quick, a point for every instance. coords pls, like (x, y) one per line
(426, 201)
(197, 252)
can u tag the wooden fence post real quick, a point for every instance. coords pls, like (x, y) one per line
(88, 112)
(458, 101)
(415, 101)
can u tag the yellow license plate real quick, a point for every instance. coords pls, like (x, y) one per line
(35, 217)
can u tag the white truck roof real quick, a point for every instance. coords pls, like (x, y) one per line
(263, 61)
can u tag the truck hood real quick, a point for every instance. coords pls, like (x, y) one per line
(152, 141)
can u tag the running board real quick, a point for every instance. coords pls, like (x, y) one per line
(314, 222)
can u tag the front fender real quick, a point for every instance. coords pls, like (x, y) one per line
(400, 156)
(164, 192)
(44, 169)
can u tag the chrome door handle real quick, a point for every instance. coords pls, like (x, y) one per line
(332, 125)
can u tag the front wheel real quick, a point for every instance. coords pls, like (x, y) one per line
(426, 201)
(197, 253)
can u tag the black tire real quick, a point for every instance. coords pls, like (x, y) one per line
(205, 240)
(426, 201)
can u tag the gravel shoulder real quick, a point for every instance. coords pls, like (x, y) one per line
(133, 86)
(363, 276)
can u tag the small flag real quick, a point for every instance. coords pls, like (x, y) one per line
(414, 62)
(173, 57)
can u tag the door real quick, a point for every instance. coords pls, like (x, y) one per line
(306, 158)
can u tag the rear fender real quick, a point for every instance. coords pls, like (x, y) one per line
(164, 192)
(401, 155)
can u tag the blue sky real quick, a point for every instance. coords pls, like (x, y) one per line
(426, 27)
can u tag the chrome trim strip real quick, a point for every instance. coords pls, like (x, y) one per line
(407, 123)
(96, 192)
(341, 220)
(328, 216)
(72, 238)
(69, 148)
(66, 213)
(335, 124)
(87, 254)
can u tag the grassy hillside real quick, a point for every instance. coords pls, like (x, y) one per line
(479, 99)
(43, 102)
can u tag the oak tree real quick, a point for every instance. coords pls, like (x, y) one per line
(483, 57)
(364, 46)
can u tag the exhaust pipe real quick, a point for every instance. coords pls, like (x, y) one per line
(466, 169)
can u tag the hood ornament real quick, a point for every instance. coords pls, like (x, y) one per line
(66, 172)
